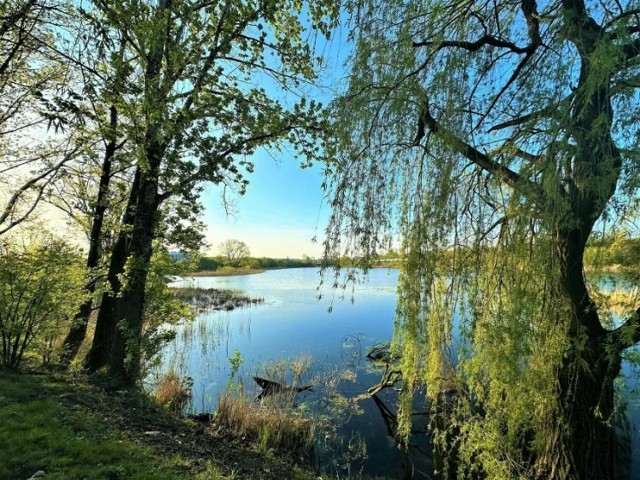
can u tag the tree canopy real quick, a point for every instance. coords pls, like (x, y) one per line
(234, 250)
(493, 138)
(201, 86)
(148, 102)
(33, 100)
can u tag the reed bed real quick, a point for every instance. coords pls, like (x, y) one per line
(271, 427)
(207, 299)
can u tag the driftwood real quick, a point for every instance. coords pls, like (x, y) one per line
(269, 387)
(381, 352)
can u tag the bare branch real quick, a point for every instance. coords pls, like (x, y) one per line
(530, 116)
(622, 16)
(32, 183)
(504, 173)
(22, 218)
(508, 147)
(477, 45)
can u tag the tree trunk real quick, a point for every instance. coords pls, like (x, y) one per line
(589, 442)
(124, 361)
(128, 308)
(587, 438)
(123, 317)
(78, 330)
(106, 322)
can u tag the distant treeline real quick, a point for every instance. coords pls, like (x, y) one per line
(219, 262)
(623, 252)
(611, 252)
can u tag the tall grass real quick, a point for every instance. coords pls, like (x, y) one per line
(173, 391)
(273, 428)
(205, 299)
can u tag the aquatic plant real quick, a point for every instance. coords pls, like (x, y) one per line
(205, 299)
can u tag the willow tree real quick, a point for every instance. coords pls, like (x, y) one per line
(493, 137)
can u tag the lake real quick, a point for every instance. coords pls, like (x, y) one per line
(293, 324)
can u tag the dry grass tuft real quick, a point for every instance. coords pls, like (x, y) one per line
(173, 391)
(271, 427)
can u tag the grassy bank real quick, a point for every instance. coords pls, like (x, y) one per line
(71, 429)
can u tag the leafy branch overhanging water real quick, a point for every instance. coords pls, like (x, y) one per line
(493, 140)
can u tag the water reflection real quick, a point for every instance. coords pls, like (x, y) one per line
(292, 324)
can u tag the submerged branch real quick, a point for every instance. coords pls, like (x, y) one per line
(381, 353)
(389, 380)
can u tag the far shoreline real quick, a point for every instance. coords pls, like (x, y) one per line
(226, 273)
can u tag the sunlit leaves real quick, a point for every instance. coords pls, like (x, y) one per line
(487, 139)
(41, 286)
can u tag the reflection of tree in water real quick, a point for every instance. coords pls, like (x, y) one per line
(419, 445)
(624, 432)
(381, 355)
(410, 451)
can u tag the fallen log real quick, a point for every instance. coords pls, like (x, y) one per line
(269, 387)
(381, 353)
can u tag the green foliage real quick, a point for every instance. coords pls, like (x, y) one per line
(162, 308)
(200, 88)
(235, 252)
(258, 263)
(266, 263)
(41, 287)
(33, 88)
(209, 263)
(236, 362)
(489, 138)
(205, 69)
(619, 251)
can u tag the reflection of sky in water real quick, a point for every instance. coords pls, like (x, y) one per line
(628, 382)
(293, 323)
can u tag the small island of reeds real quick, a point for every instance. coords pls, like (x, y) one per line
(204, 299)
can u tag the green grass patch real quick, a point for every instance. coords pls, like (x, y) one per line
(40, 430)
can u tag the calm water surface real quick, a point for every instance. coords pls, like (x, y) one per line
(292, 324)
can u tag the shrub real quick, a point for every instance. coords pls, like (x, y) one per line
(162, 309)
(41, 287)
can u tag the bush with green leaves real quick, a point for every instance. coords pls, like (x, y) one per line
(41, 287)
(161, 308)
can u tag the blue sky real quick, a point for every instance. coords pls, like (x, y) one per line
(284, 206)
(282, 210)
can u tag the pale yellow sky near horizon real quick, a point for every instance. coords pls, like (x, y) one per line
(281, 212)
